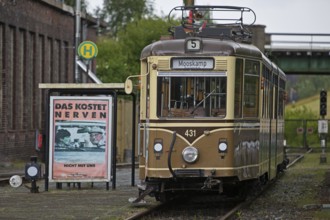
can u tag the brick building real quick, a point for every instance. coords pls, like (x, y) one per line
(37, 45)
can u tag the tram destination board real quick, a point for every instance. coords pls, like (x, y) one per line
(193, 63)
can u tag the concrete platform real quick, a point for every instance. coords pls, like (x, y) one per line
(71, 202)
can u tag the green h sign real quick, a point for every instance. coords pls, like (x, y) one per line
(87, 50)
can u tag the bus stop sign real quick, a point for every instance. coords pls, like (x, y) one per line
(87, 50)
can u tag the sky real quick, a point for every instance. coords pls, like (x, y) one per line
(288, 16)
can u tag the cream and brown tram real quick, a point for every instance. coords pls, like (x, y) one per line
(211, 113)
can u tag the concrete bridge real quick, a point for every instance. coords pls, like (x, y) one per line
(299, 53)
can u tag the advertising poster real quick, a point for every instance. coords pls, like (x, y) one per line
(80, 139)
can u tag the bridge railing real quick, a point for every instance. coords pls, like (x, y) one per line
(298, 40)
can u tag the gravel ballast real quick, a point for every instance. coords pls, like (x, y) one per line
(302, 192)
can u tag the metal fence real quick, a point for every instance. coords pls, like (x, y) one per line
(303, 133)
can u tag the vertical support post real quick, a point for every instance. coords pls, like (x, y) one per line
(305, 133)
(323, 131)
(114, 147)
(323, 124)
(323, 157)
(77, 39)
(133, 139)
(189, 2)
(46, 156)
(34, 187)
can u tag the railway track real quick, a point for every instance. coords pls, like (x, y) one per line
(220, 210)
(188, 207)
(200, 207)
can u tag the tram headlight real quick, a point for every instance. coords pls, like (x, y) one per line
(222, 147)
(190, 154)
(158, 146)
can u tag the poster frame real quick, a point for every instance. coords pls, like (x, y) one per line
(109, 127)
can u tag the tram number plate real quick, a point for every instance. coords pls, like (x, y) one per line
(193, 45)
(190, 133)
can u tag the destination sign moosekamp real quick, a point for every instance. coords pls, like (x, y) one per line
(187, 63)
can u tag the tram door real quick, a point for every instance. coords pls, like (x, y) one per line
(268, 125)
(273, 127)
(272, 150)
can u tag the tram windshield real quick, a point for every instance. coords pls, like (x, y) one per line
(200, 95)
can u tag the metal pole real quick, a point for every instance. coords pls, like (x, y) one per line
(323, 157)
(77, 39)
(305, 133)
(46, 147)
(189, 2)
(133, 139)
(114, 147)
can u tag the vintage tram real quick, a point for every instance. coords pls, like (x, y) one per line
(211, 108)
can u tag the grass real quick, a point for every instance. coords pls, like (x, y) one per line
(314, 173)
(323, 214)
(312, 103)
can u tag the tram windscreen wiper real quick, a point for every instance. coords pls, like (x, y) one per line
(198, 104)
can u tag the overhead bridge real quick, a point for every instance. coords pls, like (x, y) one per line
(300, 53)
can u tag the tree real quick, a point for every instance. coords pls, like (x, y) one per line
(111, 63)
(120, 57)
(118, 13)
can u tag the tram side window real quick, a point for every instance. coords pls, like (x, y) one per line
(281, 99)
(251, 88)
(238, 88)
(265, 98)
(276, 96)
(181, 96)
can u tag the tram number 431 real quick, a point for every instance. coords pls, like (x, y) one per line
(190, 133)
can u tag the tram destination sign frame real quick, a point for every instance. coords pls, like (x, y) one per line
(192, 63)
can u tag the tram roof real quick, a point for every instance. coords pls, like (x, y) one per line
(211, 47)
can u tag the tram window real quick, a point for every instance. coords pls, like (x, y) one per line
(251, 88)
(281, 99)
(265, 101)
(281, 104)
(181, 96)
(238, 88)
(276, 96)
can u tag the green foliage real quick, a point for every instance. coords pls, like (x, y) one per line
(119, 13)
(120, 57)
(308, 85)
(301, 112)
(301, 118)
(111, 64)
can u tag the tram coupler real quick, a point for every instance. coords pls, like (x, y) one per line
(211, 182)
(145, 191)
